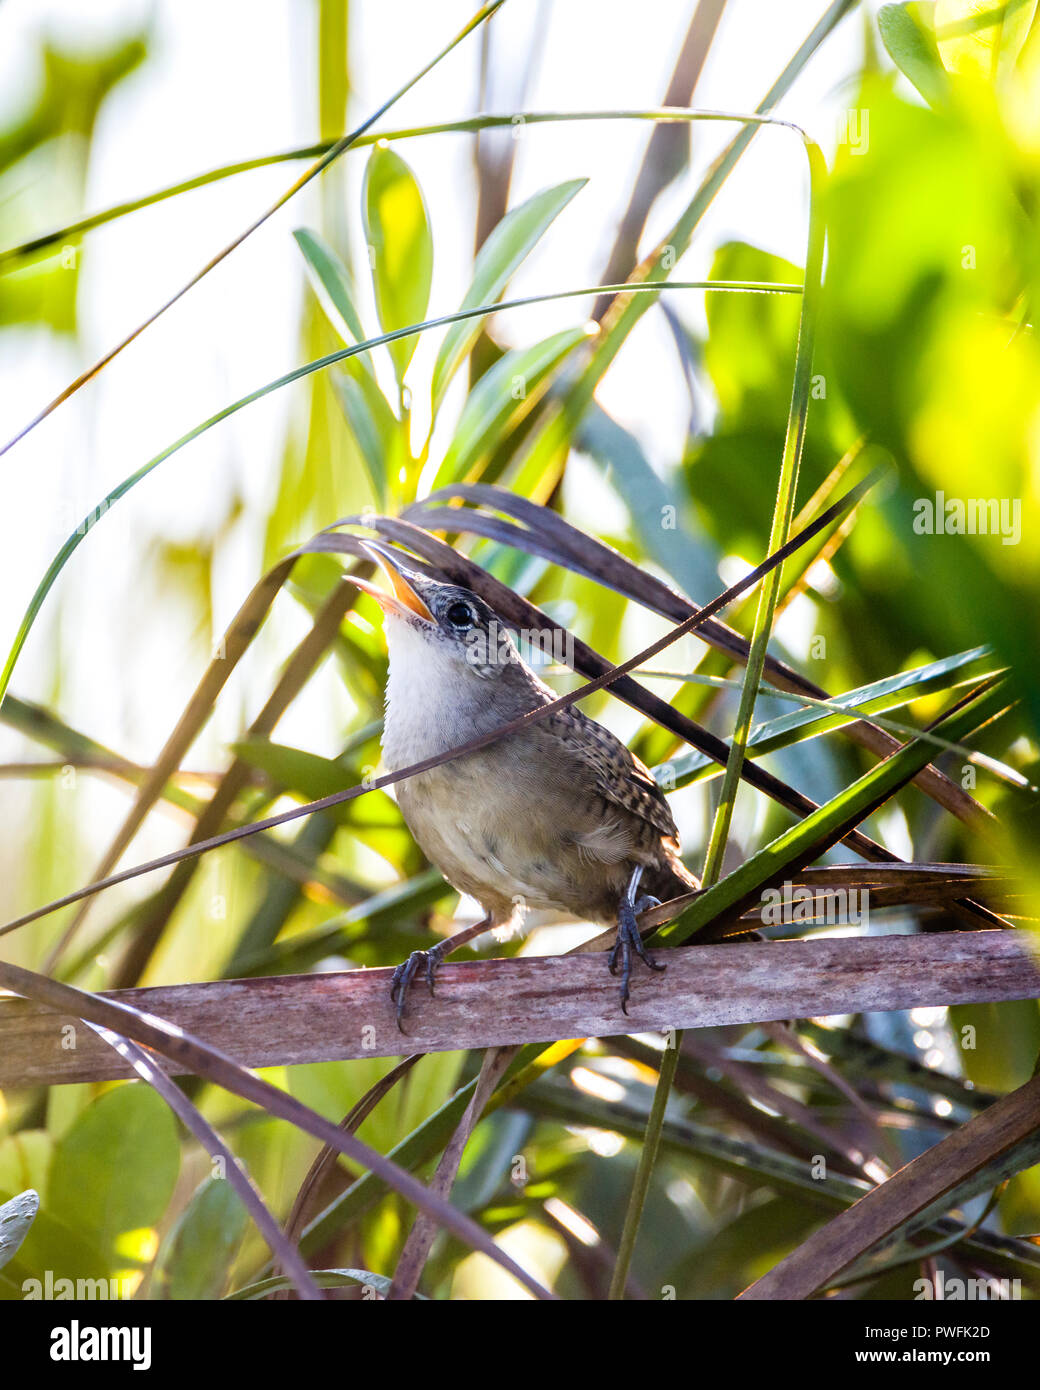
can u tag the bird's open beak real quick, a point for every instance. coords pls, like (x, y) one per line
(403, 598)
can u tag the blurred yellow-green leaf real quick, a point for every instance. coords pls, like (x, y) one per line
(400, 247)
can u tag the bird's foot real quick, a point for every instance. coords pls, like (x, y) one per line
(406, 973)
(629, 940)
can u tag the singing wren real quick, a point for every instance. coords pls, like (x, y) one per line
(558, 815)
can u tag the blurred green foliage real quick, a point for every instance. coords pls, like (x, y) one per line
(43, 163)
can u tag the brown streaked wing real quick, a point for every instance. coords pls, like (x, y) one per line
(619, 775)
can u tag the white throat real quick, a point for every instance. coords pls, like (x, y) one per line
(423, 692)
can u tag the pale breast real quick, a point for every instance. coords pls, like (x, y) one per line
(520, 822)
(501, 829)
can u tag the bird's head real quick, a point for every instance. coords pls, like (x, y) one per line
(443, 623)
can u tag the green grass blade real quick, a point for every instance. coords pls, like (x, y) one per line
(911, 46)
(330, 281)
(507, 246)
(92, 518)
(645, 1170)
(783, 515)
(824, 716)
(397, 229)
(61, 236)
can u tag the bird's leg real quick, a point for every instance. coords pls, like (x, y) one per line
(628, 936)
(431, 959)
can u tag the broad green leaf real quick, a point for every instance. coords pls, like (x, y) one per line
(907, 31)
(299, 771)
(912, 308)
(499, 400)
(890, 693)
(497, 259)
(293, 768)
(397, 229)
(997, 1043)
(1019, 1202)
(402, 903)
(749, 354)
(41, 294)
(44, 153)
(982, 38)
(330, 281)
(201, 1249)
(115, 1170)
(25, 1158)
(16, 1216)
(376, 428)
(55, 1246)
(488, 1158)
(736, 1254)
(333, 1089)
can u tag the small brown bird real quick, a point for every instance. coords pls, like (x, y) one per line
(559, 815)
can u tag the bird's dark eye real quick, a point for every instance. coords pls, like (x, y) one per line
(460, 616)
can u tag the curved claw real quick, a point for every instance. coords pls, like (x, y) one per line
(629, 940)
(406, 973)
(646, 901)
